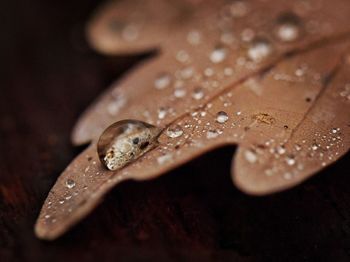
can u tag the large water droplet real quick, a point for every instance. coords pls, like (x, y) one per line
(125, 141)
(259, 50)
(221, 117)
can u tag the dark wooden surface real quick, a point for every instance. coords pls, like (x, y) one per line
(48, 76)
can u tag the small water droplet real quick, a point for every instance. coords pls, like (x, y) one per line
(287, 176)
(297, 147)
(182, 56)
(227, 38)
(209, 72)
(288, 28)
(250, 156)
(335, 130)
(179, 92)
(259, 50)
(290, 160)
(162, 112)
(218, 55)
(174, 131)
(212, 134)
(70, 183)
(117, 102)
(164, 159)
(162, 81)
(194, 37)
(198, 93)
(238, 8)
(130, 33)
(221, 117)
(228, 71)
(314, 146)
(125, 141)
(187, 72)
(281, 150)
(247, 35)
(345, 93)
(68, 197)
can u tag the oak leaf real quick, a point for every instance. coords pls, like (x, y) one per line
(271, 77)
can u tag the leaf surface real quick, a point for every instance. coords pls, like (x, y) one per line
(269, 76)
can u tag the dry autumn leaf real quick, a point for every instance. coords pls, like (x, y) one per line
(269, 76)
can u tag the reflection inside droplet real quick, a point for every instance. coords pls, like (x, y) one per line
(125, 141)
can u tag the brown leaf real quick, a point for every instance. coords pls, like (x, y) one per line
(269, 76)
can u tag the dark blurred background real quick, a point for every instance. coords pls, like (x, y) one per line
(49, 75)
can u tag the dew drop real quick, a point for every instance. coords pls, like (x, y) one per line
(182, 56)
(116, 104)
(287, 176)
(194, 37)
(130, 33)
(70, 183)
(335, 130)
(164, 159)
(218, 55)
(187, 72)
(288, 28)
(125, 141)
(281, 150)
(259, 50)
(247, 35)
(287, 32)
(250, 156)
(174, 131)
(68, 197)
(162, 81)
(227, 38)
(198, 93)
(238, 8)
(212, 134)
(290, 160)
(345, 93)
(221, 117)
(314, 146)
(297, 147)
(179, 92)
(162, 112)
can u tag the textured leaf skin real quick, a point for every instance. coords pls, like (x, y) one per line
(289, 113)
